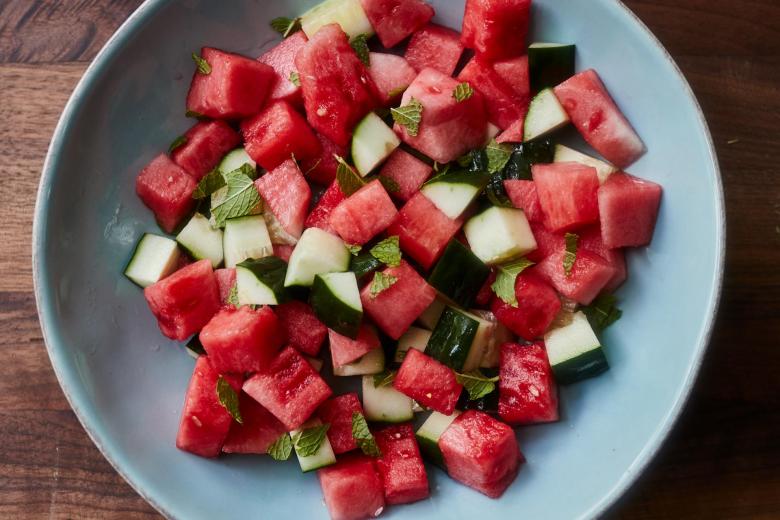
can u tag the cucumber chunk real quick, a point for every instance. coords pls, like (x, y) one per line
(545, 115)
(459, 340)
(155, 257)
(324, 456)
(372, 143)
(491, 356)
(385, 403)
(335, 298)
(550, 64)
(574, 351)
(349, 14)
(236, 159)
(499, 234)
(430, 432)
(453, 192)
(201, 240)
(364, 264)
(416, 338)
(317, 252)
(245, 237)
(261, 281)
(459, 274)
(372, 362)
(566, 154)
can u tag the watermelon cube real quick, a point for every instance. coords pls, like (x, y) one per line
(524, 196)
(496, 29)
(527, 391)
(337, 411)
(590, 239)
(320, 215)
(595, 114)
(235, 87)
(166, 189)
(391, 74)
(423, 230)
(428, 382)
(504, 105)
(242, 340)
(352, 488)
(204, 146)
(514, 71)
(513, 134)
(589, 275)
(629, 208)
(205, 423)
(259, 430)
(395, 309)
(481, 452)
(337, 89)
(277, 134)
(282, 59)
(184, 301)
(567, 194)
(226, 279)
(537, 306)
(322, 169)
(283, 251)
(401, 466)
(547, 242)
(345, 350)
(302, 328)
(289, 388)
(395, 20)
(405, 171)
(364, 214)
(434, 47)
(448, 128)
(287, 194)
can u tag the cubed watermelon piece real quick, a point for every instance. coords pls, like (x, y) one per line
(166, 189)
(289, 388)
(278, 133)
(283, 251)
(395, 309)
(513, 134)
(401, 466)
(504, 105)
(595, 114)
(496, 29)
(226, 279)
(320, 215)
(184, 301)
(435, 47)
(629, 209)
(567, 194)
(428, 382)
(514, 71)
(364, 214)
(407, 172)
(337, 89)
(481, 452)
(322, 169)
(352, 488)
(590, 239)
(395, 20)
(287, 194)
(537, 306)
(448, 128)
(258, 431)
(282, 59)
(205, 423)
(527, 391)
(302, 328)
(588, 277)
(345, 350)
(337, 411)
(547, 242)
(524, 196)
(391, 74)
(204, 146)
(236, 86)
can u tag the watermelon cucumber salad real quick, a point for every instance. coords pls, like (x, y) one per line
(403, 200)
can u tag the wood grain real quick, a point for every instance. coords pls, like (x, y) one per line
(723, 458)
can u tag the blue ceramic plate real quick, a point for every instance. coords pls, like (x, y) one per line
(126, 382)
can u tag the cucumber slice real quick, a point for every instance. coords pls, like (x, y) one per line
(482, 339)
(335, 298)
(415, 337)
(566, 154)
(317, 252)
(453, 192)
(261, 281)
(201, 240)
(245, 237)
(155, 257)
(459, 274)
(499, 234)
(235, 160)
(455, 340)
(491, 356)
(545, 115)
(574, 351)
(550, 64)
(372, 143)
(430, 316)
(430, 432)
(324, 456)
(364, 264)
(385, 403)
(349, 14)
(372, 362)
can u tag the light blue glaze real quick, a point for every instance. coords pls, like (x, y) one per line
(126, 382)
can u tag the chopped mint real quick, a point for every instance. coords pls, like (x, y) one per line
(286, 26)
(295, 79)
(409, 116)
(462, 92)
(570, 256)
(212, 182)
(349, 180)
(239, 200)
(232, 298)
(397, 92)
(504, 286)
(178, 142)
(309, 441)
(281, 448)
(602, 312)
(385, 378)
(228, 398)
(363, 437)
(477, 384)
(360, 45)
(497, 155)
(388, 251)
(381, 283)
(203, 65)
(195, 115)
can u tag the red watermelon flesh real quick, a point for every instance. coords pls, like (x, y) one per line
(513, 134)
(547, 242)
(302, 328)
(504, 106)
(407, 172)
(205, 423)
(289, 388)
(337, 411)
(496, 29)
(277, 134)
(337, 89)
(428, 382)
(401, 466)
(184, 301)
(242, 340)
(283, 251)
(448, 128)
(590, 239)
(567, 194)
(236, 87)
(589, 275)
(527, 391)
(166, 189)
(395, 20)
(395, 309)
(345, 350)
(481, 452)
(391, 74)
(364, 214)
(259, 430)
(629, 209)
(282, 59)
(322, 169)
(287, 195)
(226, 279)
(524, 196)
(514, 71)
(435, 47)
(206, 143)
(595, 114)
(485, 293)
(352, 488)
(320, 215)
(537, 306)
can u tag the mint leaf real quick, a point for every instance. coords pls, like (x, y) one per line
(497, 155)
(462, 92)
(295, 79)
(363, 437)
(203, 66)
(281, 448)
(178, 142)
(309, 441)
(349, 180)
(232, 298)
(240, 198)
(286, 26)
(360, 45)
(397, 92)
(409, 116)
(570, 256)
(381, 283)
(507, 274)
(602, 312)
(388, 251)
(228, 398)
(385, 378)
(196, 115)
(389, 184)
(212, 182)
(354, 249)
(477, 384)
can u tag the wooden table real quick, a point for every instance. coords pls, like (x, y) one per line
(723, 459)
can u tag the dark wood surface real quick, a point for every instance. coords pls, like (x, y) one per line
(723, 458)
